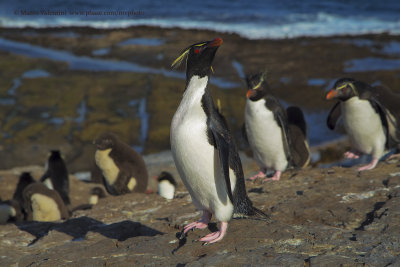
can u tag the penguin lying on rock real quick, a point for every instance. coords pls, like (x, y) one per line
(43, 204)
(123, 169)
(203, 149)
(277, 137)
(370, 116)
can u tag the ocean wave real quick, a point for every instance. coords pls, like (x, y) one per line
(294, 25)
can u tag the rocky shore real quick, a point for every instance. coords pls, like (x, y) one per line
(57, 92)
(319, 217)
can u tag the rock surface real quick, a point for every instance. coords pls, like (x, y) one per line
(319, 217)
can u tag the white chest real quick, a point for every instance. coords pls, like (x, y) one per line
(44, 208)
(107, 165)
(264, 135)
(362, 124)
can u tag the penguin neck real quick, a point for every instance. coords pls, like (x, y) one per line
(195, 89)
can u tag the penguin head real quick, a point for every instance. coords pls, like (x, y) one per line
(198, 57)
(166, 176)
(344, 89)
(105, 141)
(26, 178)
(257, 86)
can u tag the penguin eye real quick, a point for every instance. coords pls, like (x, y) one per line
(197, 51)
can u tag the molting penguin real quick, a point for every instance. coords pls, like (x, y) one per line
(123, 169)
(203, 148)
(278, 141)
(56, 175)
(370, 116)
(43, 204)
(166, 185)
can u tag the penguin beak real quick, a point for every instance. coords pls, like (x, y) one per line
(215, 43)
(249, 93)
(332, 94)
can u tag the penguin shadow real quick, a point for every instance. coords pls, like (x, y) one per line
(79, 227)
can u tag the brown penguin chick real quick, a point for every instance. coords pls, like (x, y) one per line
(43, 204)
(24, 180)
(123, 169)
(10, 211)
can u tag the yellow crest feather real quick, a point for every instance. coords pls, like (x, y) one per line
(177, 62)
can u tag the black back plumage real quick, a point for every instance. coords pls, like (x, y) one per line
(58, 174)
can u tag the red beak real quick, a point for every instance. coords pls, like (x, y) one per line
(249, 93)
(215, 42)
(332, 93)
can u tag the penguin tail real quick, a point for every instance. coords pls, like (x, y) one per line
(246, 210)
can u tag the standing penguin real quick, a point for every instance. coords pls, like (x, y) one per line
(277, 137)
(123, 169)
(56, 175)
(203, 148)
(370, 117)
(166, 185)
(43, 204)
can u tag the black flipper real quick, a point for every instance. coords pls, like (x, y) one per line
(334, 116)
(298, 137)
(222, 142)
(281, 117)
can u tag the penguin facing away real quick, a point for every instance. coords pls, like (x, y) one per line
(166, 185)
(43, 204)
(124, 170)
(203, 149)
(278, 141)
(370, 115)
(56, 175)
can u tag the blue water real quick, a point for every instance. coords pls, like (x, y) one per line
(252, 19)
(93, 64)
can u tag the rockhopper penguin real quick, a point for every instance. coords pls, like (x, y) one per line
(370, 117)
(56, 175)
(277, 137)
(123, 169)
(203, 149)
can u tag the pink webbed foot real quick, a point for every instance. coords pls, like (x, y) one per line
(216, 236)
(276, 177)
(260, 174)
(370, 166)
(351, 155)
(203, 223)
